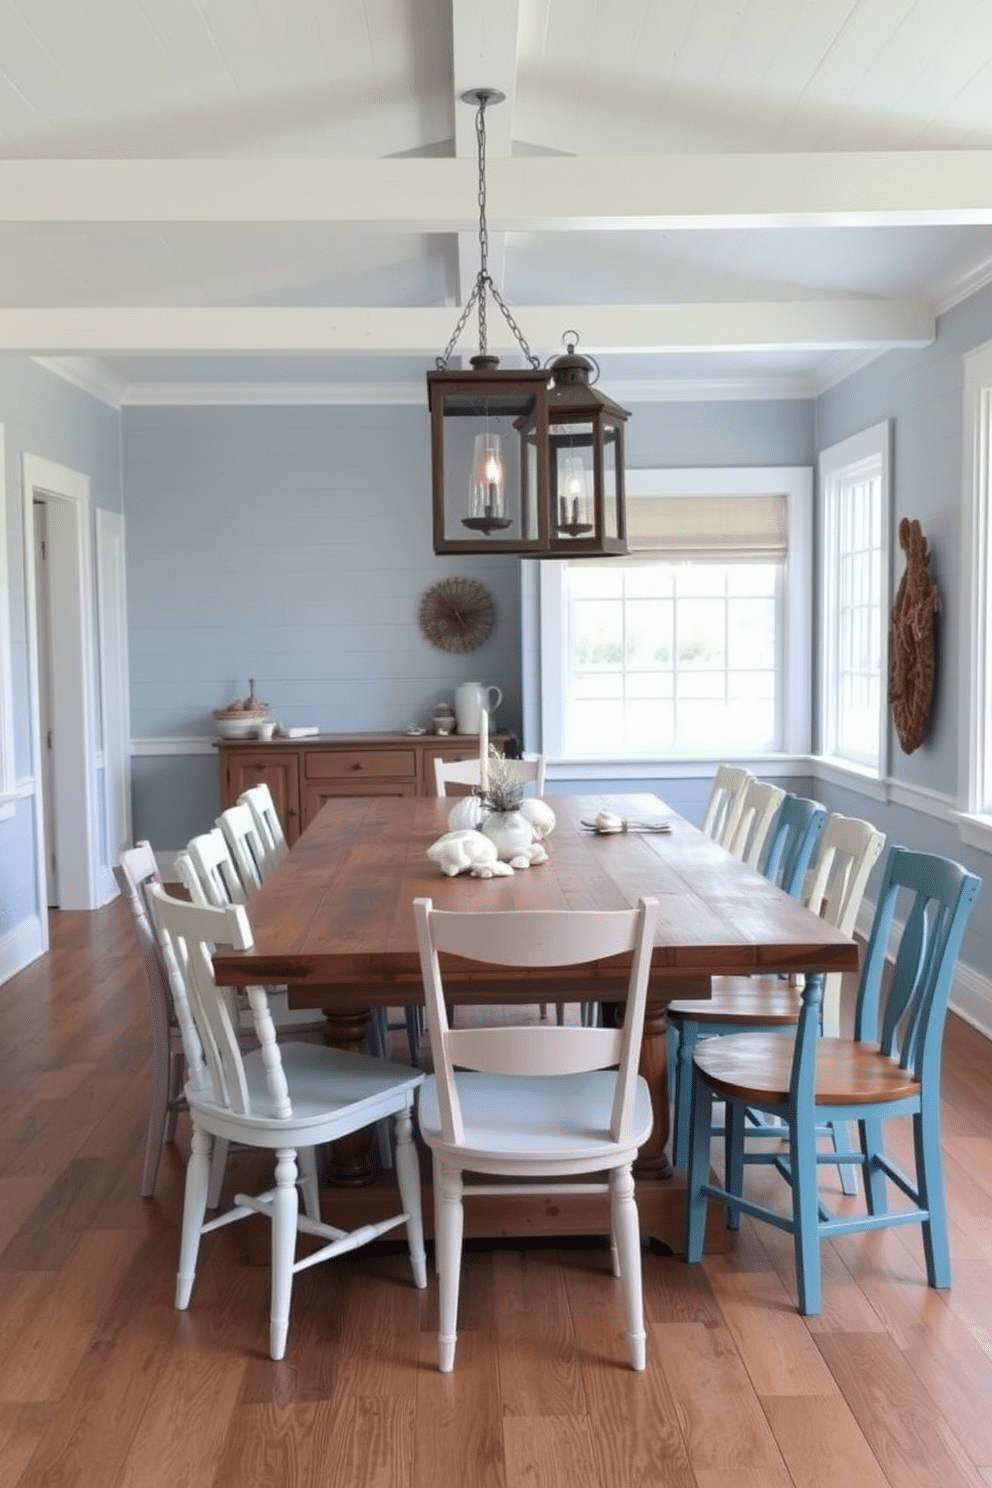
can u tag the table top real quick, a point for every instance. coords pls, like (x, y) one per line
(337, 912)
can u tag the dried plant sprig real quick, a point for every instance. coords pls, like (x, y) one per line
(506, 789)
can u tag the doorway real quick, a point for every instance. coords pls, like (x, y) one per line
(63, 719)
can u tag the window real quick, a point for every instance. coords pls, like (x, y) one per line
(696, 646)
(975, 731)
(7, 796)
(854, 495)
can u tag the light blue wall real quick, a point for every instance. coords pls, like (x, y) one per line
(43, 415)
(291, 545)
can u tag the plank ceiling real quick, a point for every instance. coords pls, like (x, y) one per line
(225, 198)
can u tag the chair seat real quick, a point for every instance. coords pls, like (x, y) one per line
(745, 1000)
(757, 1067)
(332, 1093)
(558, 1121)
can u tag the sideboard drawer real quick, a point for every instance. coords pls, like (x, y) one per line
(357, 764)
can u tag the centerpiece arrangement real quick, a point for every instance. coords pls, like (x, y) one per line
(497, 828)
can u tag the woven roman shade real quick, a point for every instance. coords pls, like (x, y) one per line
(728, 529)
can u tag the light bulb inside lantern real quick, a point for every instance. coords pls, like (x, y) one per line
(487, 477)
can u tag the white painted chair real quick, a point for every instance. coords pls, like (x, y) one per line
(538, 1105)
(287, 1098)
(208, 872)
(466, 772)
(726, 801)
(258, 799)
(244, 843)
(758, 810)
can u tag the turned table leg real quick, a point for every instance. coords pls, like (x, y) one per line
(350, 1160)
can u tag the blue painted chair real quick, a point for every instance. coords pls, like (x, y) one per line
(798, 828)
(890, 1068)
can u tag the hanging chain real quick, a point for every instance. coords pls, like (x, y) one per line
(483, 280)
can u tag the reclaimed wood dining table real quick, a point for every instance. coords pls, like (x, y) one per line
(335, 924)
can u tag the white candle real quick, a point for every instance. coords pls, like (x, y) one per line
(484, 749)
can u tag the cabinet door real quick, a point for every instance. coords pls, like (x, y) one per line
(315, 795)
(279, 770)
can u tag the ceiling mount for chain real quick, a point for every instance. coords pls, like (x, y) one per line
(483, 98)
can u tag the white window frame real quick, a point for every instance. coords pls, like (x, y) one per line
(863, 453)
(975, 627)
(795, 642)
(8, 782)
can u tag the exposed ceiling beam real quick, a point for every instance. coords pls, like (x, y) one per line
(900, 188)
(824, 324)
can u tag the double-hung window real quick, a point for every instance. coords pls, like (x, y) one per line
(975, 699)
(854, 502)
(697, 644)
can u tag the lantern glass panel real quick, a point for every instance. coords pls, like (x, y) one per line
(478, 451)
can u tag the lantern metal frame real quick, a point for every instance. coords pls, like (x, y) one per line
(528, 401)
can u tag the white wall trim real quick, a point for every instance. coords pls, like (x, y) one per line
(971, 992)
(20, 946)
(178, 745)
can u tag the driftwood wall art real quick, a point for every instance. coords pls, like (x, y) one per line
(912, 640)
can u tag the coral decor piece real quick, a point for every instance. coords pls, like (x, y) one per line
(912, 640)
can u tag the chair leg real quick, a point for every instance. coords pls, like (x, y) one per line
(177, 1079)
(408, 1179)
(285, 1208)
(840, 1135)
(156, 1131)
(309, 1186)
(698, 1169)
(627, 1237)
(414, 1030)
(872, 1144)
(194, 1210)
(448, 1240)
(559, 1013)
(686, 1039)
(218, 1167)
(930, 1189)
(734, 1132)
(805, 1210)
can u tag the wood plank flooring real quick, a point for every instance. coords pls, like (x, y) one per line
(103, 1384)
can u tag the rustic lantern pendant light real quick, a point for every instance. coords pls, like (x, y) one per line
(508, 474)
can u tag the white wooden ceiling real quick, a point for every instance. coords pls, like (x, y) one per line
(223, 198)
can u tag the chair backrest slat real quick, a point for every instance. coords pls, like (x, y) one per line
(240, 831)
(726, 801)
(847, 851)
(466, 772)
(761, 801)
(208, 872)
(258, 799)
(792, 841)
(536, 938)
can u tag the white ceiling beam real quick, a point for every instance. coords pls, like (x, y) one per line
(902, 188)
(824, 324)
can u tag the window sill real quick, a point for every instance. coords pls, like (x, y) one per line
(855, 777)
(974, 829)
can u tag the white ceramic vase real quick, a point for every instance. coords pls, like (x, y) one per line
(509, 831)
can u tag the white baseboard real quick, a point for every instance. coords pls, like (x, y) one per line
(20, 946)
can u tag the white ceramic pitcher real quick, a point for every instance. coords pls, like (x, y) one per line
(470, 699)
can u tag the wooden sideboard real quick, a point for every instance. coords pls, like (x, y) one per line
(304, 773)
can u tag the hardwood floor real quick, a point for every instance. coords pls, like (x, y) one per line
(103, 1384)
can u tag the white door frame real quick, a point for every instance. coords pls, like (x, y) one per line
(66, 494)
(115, 711)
